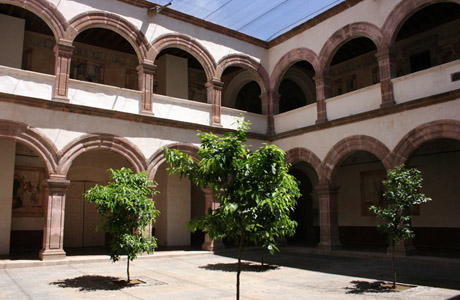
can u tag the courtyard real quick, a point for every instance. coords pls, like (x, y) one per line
(295, 273)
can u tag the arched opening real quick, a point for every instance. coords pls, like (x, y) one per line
(179, 74)
(436, 223)
(103, 56)
(359, 178)
(28, 41)
(306, 213)
(241, 90)
(179, 201)
(24, 180)
(428, 38)
(297, 88)
(81, 218)
(354, 66)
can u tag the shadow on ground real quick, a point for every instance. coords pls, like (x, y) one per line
(245, 267)
(361, 287)
(92, 283)
(433, 274)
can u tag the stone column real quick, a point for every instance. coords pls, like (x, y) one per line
(214, 95)
(387, 71)
(211, 203)
(146, 73)
(322, 82)
(63, 54)
(53, 232)
(328, 217)
(267, 104)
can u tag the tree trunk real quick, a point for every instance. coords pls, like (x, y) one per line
(393, 264)
(262, 256)
(127, 268)
(240, 250)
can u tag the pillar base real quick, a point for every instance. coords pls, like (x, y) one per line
(147, 113)
(330, 246)
(60, 98)
(48, 254)
(214, 245)
(387, 103)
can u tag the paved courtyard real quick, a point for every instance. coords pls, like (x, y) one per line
(203, 275)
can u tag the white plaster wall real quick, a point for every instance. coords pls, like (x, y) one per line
(374, 12)
(362, 100)
(230, 116)
(181, 110)
(179, 210)
(7, 150)
(388, 129)
(297, 118)
(173, 75)
(12, 37)
(161, 204)
(26, 83)
(432, 81)
(104, 96)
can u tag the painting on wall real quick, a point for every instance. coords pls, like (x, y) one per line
(28, 192)
(371, 190)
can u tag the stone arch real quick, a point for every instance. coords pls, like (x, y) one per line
(158, 157)
(234, 87)
(247, 63)
(345, 34)
(399, 15)
(102, 141)
(300, 154)
(34, 140)
(440, 129)
(290, 59)
(101, 19)
(351, 144)
(47, 12)
(187, 44)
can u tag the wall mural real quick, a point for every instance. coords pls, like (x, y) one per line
(28, 192)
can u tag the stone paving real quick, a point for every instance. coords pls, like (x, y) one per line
(203, 275)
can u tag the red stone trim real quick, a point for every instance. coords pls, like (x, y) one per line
(399, 15)
(289, 59)
(299, 154)
(32, 138)
(47, 12)
(187, 44)
(158, 158)
(246, 63)
(351, 144)
(101, 19)
(345, 34)
(103, 141)
(441, 129)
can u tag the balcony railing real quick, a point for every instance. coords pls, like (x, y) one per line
(26, 83)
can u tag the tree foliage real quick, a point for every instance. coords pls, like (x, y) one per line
(255, 191)
(402, 191)
(127, 209)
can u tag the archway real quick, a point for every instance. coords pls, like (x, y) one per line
(359, 180)
(30, 40)
(354, 66)
(104, 56)
(241, 90)
(306, 213)
(81, 218)
(436, 223)
(427, 38)
(179, 201)
(179, 74)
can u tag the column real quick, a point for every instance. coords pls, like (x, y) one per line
(214, 94)
(211, 203)
(146, 73)
(328, 217)
(322, 93)
(268, 109)
(53, 232)
(63, 54)
(387, 71)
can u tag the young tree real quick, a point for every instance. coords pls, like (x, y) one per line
(402, 191)
(255, 191)
(126, 208)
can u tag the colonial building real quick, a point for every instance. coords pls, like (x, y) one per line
(360, 88)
